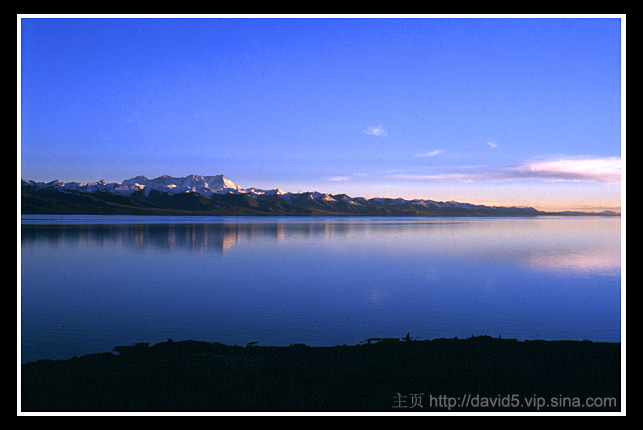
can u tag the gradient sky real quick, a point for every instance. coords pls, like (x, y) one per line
(511, 111)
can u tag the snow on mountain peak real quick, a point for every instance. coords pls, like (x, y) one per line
(196, 183)
(217, 184)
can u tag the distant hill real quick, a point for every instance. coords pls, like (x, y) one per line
(218, 196)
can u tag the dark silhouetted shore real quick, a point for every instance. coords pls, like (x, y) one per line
(478, 374)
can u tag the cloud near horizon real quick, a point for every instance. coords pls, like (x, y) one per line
(338, 178)
(599, 170)
(605, 170)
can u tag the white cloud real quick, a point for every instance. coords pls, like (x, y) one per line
(376, 131)
(431, 154)
(338, 178)
(605, 170)
(492, 145)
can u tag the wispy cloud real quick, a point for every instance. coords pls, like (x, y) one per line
(605, 170)
(492, 145)
(431, 154)
(349, 177)
(338, 178)
(456, 177)
(376, 130)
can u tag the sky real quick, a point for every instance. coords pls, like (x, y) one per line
(521, 111)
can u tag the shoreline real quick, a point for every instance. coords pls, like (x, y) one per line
(477, 374)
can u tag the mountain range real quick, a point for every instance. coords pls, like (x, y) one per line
(218, 196)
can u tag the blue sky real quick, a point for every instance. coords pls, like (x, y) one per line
(518, 111)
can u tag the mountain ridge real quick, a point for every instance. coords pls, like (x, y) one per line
(217, 195)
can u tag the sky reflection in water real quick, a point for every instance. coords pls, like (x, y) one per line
(91, 283)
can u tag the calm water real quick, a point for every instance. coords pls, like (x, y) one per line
(92, 283)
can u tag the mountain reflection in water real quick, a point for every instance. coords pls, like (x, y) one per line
(548, 244)
(91, 283)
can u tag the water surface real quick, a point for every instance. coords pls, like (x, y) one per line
(89, 283)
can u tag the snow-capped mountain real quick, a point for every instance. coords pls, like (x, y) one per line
(206, 185)
(217, 195)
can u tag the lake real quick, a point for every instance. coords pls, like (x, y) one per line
(90, 283)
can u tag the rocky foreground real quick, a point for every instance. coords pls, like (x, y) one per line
(479, 374)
